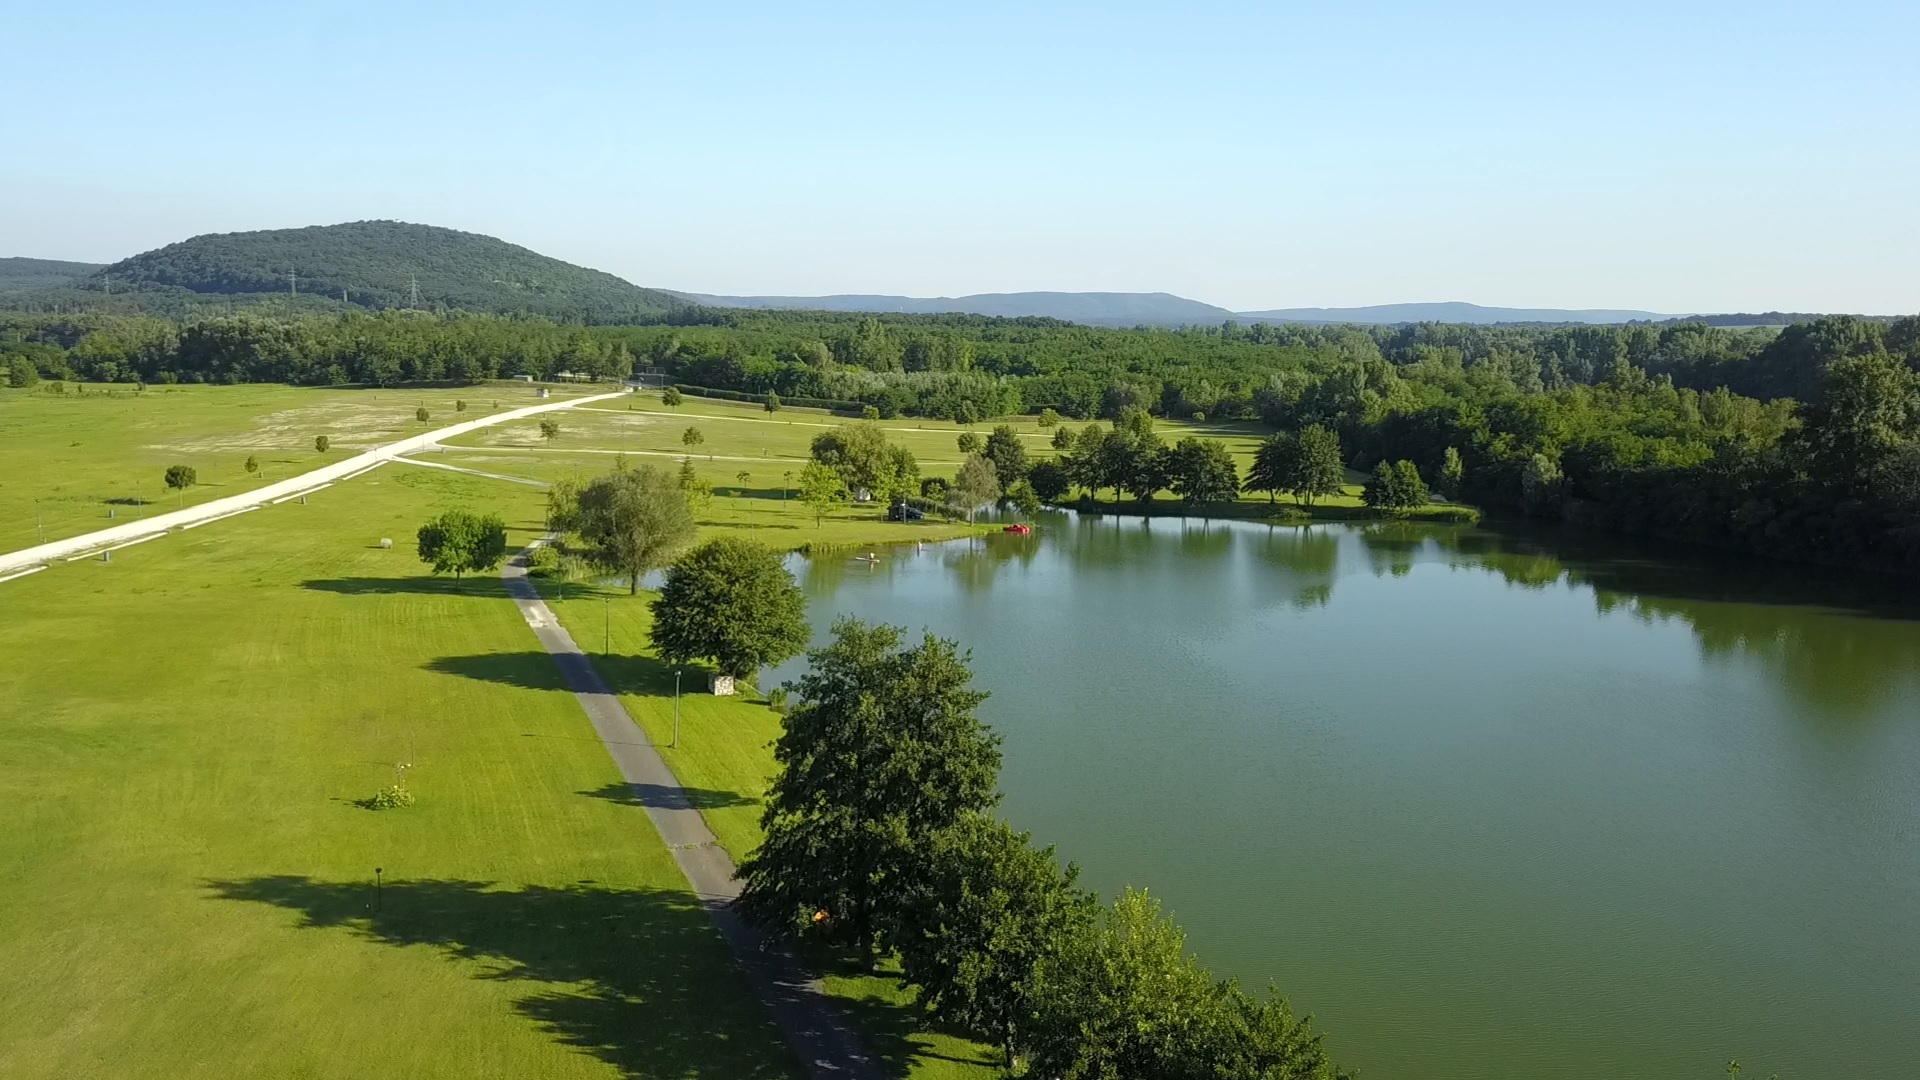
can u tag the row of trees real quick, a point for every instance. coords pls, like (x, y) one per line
(880, 835)
(1131, 457)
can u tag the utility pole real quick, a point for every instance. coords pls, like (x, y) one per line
(676, 710)
(413, 288)
(293, 283)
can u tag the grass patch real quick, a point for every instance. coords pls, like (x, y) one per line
(190, 889)
(75, 457)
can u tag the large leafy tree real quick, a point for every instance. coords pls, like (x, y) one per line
(1319, 470)
(974, 486)
(986, 909)
(733, 602)
(1123, 998)
(1008, 455)
(865, 460)
(882, 754)
(1273, 464)
(630, 520)
(459, 541)
(1203, 472)
(822, 489)
(1050, 480)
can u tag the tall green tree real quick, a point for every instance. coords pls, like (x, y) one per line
(1050, 481)
(1009, 456)
(974, 486)
(1321, 471)
(733, 602)
(1275, 463)
(1121, 1000)
(882, 754)
(459, 541)
(631, 520)
(821, 489)
(1202, 472)
(866, 461)
(986, 909)
(1453, 473)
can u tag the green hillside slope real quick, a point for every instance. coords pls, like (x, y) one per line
(16, 273)
(376, 265)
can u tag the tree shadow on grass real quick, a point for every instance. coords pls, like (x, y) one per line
(882, 1006)
(636, 977)
(485, 586)
(655, 795)
(527, 670)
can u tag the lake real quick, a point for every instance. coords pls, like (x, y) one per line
(1491, 804)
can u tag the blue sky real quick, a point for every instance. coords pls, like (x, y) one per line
(1673, 156)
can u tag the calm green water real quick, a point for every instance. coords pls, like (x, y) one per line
(1491, 805)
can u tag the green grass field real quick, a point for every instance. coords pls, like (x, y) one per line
(189, 885)
(75, 457)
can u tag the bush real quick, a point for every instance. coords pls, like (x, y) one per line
(544, 562)
(389, 798)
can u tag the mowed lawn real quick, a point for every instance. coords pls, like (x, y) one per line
(189, 885)
(68, 460)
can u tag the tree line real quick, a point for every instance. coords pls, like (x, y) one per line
(1799, 444)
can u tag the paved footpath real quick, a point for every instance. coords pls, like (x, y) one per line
(814, 1028)
(27, 559)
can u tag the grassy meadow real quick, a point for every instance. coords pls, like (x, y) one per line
(77, 456)
(189, 884)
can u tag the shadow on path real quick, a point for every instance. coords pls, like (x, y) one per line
(635, 977)
(657, 795)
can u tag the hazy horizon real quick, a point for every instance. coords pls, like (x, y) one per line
(1667, 158)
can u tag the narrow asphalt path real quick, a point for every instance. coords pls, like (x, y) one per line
(814, 1028)
(27, 558)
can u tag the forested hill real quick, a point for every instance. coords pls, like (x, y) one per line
(18, 274)
(374, 265)
(1089, 308)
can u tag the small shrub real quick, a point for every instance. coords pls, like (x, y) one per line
(544, 562)
(394, 797)
(421, 414)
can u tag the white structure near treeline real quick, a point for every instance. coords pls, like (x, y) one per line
(721, 685)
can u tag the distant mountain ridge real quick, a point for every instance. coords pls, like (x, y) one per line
(1094, 308)
(1453, 311)
(393, 264)
(377, 265)
(1166, 309)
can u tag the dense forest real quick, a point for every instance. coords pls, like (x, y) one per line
(361, 265)
(1800, 444)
